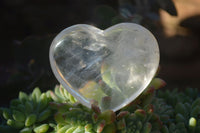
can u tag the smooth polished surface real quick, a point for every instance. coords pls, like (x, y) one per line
(111, 67)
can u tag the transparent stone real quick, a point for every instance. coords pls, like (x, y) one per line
(111, 67)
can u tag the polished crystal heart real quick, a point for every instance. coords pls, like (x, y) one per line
(109, 67)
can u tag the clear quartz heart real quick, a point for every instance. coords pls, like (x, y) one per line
(111, 67)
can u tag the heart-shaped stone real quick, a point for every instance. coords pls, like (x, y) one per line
(111, 67)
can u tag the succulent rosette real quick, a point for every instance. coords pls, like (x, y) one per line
(28, 113)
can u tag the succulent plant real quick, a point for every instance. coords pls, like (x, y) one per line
(77, 118)
(57, 111)
(183, 110)
(61, 95)
(28, 112)
(136, 117)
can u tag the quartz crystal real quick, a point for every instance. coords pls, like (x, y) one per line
(109, 67)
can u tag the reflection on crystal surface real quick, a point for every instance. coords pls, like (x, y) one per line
(111, 67)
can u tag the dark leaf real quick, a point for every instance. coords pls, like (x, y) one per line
(103, 16)
(192, 23)
(168, 6)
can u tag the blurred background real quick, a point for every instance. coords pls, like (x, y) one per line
(27, 28)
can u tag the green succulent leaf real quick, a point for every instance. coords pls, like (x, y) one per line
(41, 129)
(18, 116)
(30, 120)
(26, 130)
